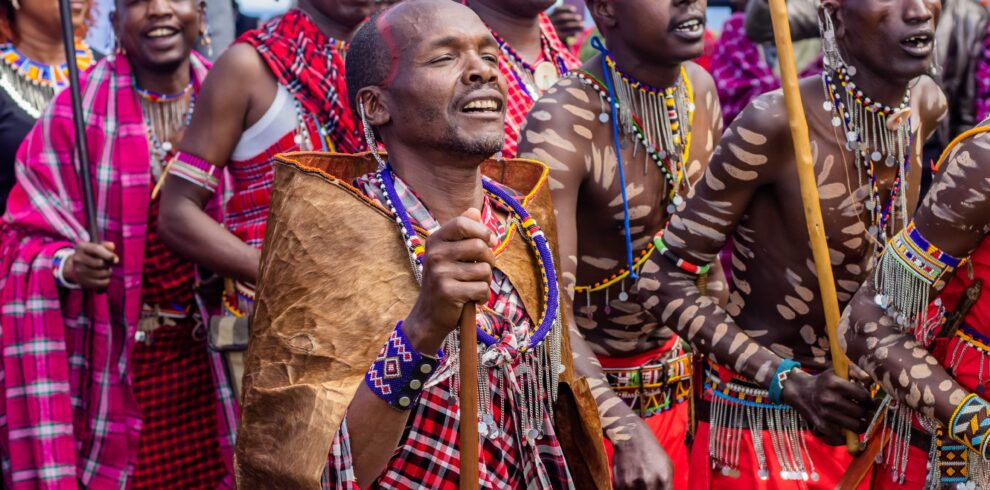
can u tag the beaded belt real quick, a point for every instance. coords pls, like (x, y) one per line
(156, 316)
(740, 407)
(654, 387)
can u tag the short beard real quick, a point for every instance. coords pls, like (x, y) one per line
(478, 146)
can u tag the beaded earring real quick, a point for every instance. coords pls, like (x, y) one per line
(369, 138)
(498, 156)
(16, 4)
(204, 34)
(830, 47)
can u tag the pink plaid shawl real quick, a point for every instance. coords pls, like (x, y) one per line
(68, 416)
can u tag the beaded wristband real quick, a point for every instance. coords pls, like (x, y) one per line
(682, 264)
(58, 268)
(777, 383)
(970, 424)
(400, 372)
(195, 170)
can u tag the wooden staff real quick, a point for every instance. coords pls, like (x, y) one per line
(469, 398)
(809, 193)
(81, 149)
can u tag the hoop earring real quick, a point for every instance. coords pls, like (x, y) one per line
(369, 138)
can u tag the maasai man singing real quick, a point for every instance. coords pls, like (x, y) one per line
(279, 88)
(665, 124)
(932, 359)
(531, 56)
(768, 376)
(366, 272)
(108, 382)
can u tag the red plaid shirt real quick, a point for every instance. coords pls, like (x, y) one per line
(519, 101)
(427, 456)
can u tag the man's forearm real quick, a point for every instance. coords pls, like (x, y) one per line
(673, 298)
(618, 420)
(896, 360)
(375, 430)
(188, 230)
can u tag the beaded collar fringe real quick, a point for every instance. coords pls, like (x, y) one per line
(533, 379)
(31, 84)
(874, 133)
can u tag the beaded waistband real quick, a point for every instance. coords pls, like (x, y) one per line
(656, 386)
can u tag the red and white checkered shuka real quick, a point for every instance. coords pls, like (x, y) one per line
(519, 101)
(428, 456)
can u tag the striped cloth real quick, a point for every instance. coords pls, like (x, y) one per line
(311, 67)
(740, 72)
(68, 415)
(428, 456)
(518, 102)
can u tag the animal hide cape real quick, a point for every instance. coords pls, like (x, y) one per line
(334, 280)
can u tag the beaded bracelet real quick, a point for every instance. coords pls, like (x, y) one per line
(970, 424)
(698, 270)
(777, 383)
(399, 373)
(195, 170)
(58, 268)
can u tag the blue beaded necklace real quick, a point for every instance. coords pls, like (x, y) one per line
(533, 233)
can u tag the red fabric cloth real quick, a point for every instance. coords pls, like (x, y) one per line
(978, 317)
(167, 278)
(830, 463)
(519, 102)
(669, 427)
(310, 65)
(178, 447)
(252, 180)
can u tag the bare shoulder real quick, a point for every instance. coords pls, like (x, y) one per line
(562, 125)
(241, 60)
(928, 100)
(705, 93)
(765, 116)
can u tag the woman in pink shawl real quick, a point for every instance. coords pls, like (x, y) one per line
(107, 381)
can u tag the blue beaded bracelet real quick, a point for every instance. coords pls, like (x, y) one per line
(400, 372)
(777, 383)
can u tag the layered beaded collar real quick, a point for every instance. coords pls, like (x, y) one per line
(32, 84)
(417, 251)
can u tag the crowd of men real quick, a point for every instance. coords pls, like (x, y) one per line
(264, 286)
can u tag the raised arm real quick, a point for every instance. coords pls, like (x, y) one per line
(954, 217)
(220, 117)
(549, 136)
(751, 155)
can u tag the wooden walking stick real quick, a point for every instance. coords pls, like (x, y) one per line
(809, 193)
(469, 398)
(81, 149)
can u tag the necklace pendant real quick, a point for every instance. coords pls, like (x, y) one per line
(167, 146)
(876, 156)
(603, 117)
(678, 200)
(891, 161)
(836, 121)
(663, 154)
(545, 75)
(623, 296)
(827, 105)
(852, 136)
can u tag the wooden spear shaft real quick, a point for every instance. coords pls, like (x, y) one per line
(469, 398)
(809, 193)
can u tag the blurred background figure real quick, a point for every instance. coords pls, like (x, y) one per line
(32, 70)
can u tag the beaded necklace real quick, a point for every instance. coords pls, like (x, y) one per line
(666, 139)
(874, 133)
(533, 80)
(31, 84)
(534, 381)
(164, 116)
